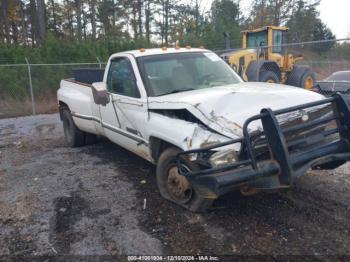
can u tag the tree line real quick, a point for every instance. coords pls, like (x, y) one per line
(64, 31)
(133, 23)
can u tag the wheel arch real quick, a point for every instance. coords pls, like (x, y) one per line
(158, 145)
(61, 106)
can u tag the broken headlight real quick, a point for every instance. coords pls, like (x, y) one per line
(223, 157)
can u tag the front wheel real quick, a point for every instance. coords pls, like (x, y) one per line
(175, 187)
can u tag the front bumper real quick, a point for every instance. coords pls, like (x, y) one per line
(283, 163)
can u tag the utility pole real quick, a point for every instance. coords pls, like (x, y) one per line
(227, 40)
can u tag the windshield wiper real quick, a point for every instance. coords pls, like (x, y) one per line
(177, 91)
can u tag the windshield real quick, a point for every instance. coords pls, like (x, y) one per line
(172, 73)
(257, 39)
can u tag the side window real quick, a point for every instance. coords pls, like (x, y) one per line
(121, 79)
(277, 41)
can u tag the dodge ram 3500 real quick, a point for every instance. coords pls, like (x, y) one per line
(207, 132)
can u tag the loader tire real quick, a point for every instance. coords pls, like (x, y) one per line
(175, 187)
(74, 136)
(269, 77)
(302, 76)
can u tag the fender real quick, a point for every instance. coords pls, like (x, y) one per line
(190, 135)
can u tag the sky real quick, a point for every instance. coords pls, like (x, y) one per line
(334, 13)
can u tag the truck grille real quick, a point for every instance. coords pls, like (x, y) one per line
(300, 139)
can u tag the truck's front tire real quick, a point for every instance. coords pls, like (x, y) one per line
(73, 135)
(176, 187)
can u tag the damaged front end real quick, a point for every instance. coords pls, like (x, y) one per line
(275, 155)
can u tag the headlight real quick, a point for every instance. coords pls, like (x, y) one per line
(223, 157)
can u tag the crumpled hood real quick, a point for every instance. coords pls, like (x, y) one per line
(226, 108)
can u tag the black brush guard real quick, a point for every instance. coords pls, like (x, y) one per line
(282, 166)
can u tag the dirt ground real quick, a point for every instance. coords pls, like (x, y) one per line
(90, 201)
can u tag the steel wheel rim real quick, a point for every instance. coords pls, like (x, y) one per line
(309, 83)
(179, 187)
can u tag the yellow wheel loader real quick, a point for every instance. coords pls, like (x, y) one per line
(263, 58)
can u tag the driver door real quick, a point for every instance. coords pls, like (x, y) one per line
(125, 116)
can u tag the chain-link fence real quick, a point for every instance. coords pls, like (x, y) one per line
(27, 88)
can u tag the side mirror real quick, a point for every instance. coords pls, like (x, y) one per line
(100, 93)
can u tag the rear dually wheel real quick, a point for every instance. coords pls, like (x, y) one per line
(74, 136)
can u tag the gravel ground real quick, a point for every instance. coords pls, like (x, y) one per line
(90, 201)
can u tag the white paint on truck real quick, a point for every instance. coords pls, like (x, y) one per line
(132, 122)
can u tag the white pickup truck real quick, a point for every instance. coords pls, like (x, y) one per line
(207, 131)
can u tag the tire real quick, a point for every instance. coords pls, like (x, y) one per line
(74, 136)
(268, 76)
(90, 139)
(190, 199)
(302, 76)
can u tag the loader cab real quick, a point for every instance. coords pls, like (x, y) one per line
(269, 37)
(264, 58)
